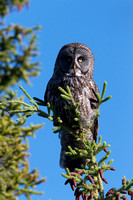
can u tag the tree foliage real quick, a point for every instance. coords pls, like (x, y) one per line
(86, 182)
(18, 47)
(16, 52)
(7, 6)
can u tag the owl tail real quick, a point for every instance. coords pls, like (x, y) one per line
(68, 162)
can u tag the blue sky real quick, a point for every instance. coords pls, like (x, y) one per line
(107, 28)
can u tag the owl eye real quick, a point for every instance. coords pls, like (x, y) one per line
(80, 59)
(69, 59)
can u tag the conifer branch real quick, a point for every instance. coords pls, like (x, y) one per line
(87, 182)
(101, 99)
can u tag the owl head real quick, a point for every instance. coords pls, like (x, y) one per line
(75, 60)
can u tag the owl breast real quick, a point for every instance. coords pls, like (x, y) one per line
(81, 93)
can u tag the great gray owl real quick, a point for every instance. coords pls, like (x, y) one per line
(74, 68)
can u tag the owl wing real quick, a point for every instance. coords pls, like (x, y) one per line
(52, 95)
(50, 92)
(94, 104)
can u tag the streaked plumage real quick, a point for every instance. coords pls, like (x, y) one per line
(74, 68)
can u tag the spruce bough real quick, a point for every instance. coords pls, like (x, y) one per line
(87, 182)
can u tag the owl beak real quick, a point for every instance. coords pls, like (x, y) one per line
(72, 71)
(74, 66)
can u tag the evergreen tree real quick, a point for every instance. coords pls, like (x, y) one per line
(15, 177)
(17, 49)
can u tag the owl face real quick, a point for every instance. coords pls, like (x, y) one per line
(75, 60)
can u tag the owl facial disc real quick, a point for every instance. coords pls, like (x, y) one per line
(75, 61)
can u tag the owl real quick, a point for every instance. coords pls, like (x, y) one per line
(74, 68)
